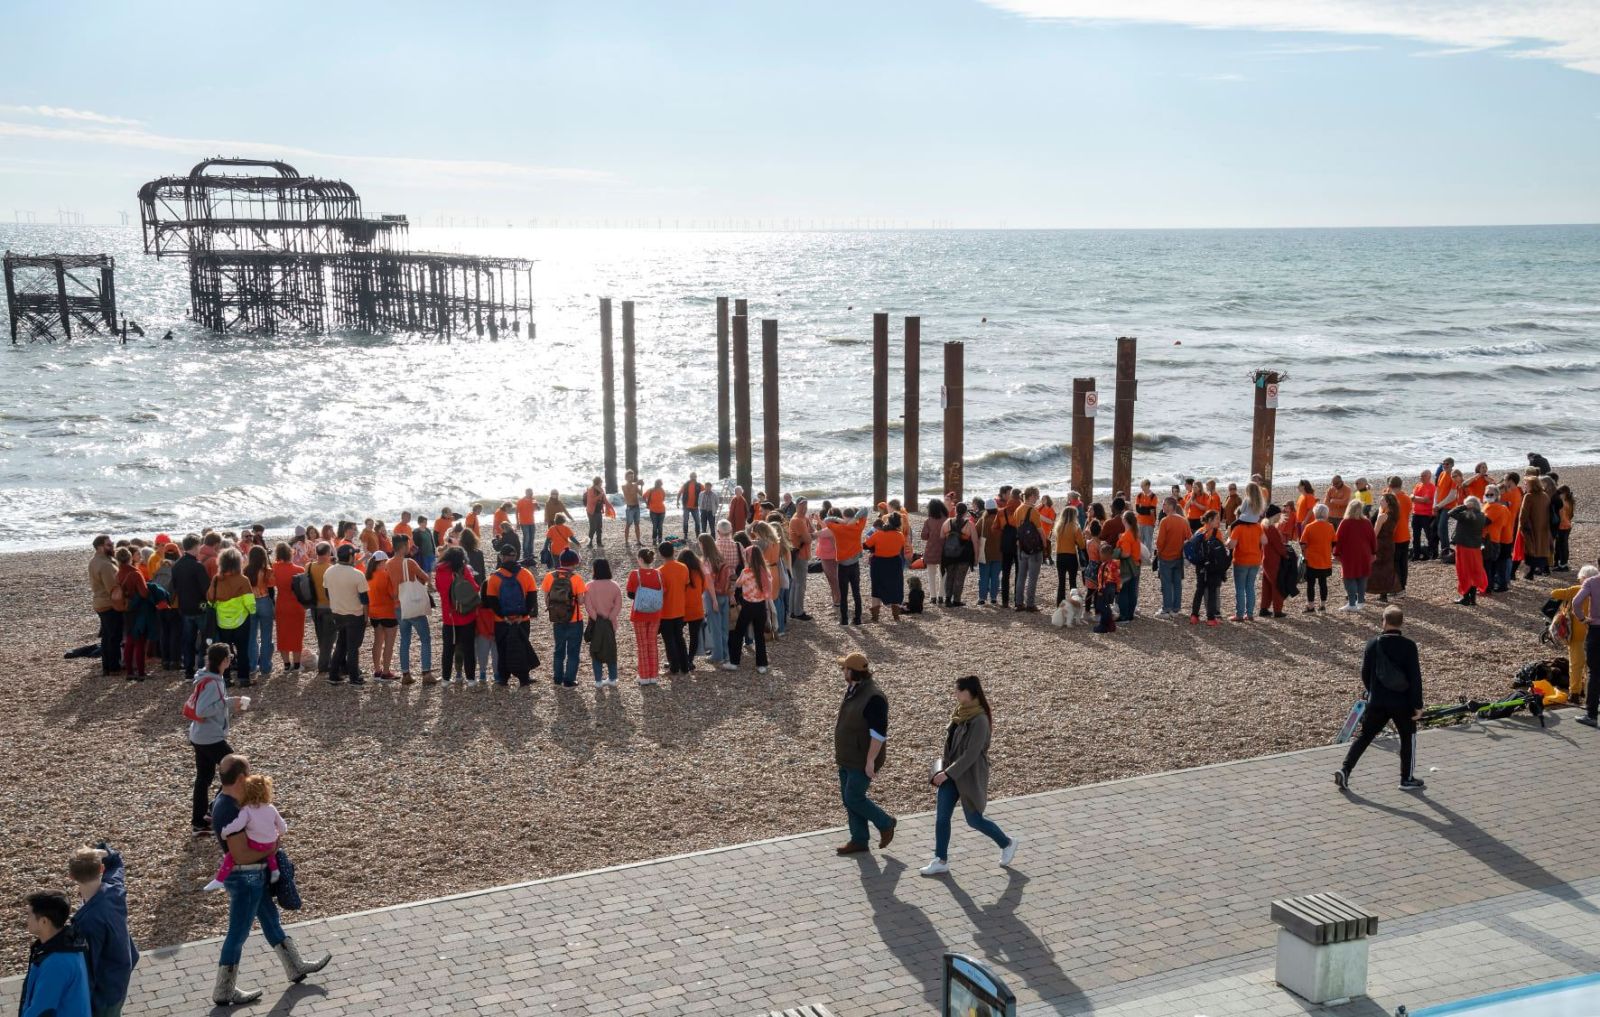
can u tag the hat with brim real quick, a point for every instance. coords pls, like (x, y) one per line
(856, 661)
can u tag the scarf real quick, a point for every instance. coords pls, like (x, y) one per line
(962, 714)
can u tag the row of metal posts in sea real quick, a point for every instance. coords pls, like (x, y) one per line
(734, 440)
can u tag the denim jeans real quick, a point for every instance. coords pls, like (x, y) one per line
(1147, 538)
(488, 654)
(527, 533)
(1027, 584)
(1127, 596)
(568, 638)
(989, 582)
(1442, 520)
(322, 628)
(948, 798)
(1355, 591)
(860, 809)
(658, 522)
(1171, 573)
(797, 588)
(419, 625)
(1244, 590)
(690, 518)
(189, 641)
(248, 903)
(716, 640)
(261, 636)
(780, 611)
(604, 669)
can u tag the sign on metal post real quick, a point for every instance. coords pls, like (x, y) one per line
(1272, 395)
(1091, 402)
(972, 990)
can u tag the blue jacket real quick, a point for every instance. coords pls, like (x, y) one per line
(58, 980)
(102, 923)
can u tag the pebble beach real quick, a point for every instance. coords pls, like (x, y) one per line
(396, 793)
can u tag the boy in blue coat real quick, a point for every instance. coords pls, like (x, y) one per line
(57, 983)
(102, 924)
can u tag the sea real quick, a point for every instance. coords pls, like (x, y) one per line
(1399, 346)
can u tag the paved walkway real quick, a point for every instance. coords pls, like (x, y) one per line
(1140, 897)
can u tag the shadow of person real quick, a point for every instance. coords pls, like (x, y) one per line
(1474, 840)
(1003, 937)
(294, 995)
(909, 934)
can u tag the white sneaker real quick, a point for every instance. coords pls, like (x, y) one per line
(649, 681)
(937, 867)
(1347, 607)
(761, 670)
(1009, 852)
(212, 887)
(611, 681)
(730, 667)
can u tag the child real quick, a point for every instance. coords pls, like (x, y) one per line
(915, 596)
(487, 650)
(1364, 495)
(1091, 568)
(1110, 578)
(261, 825)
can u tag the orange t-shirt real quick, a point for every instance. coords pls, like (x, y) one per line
(1402, 526)
(441, 526)
(656, 501)
(846, 537)
(381, 595)
(1303, 507)
(1171, 534)
(1445, 485)
(1337, 499)
(886, 543)
(1093, 550)
(1247, 544)
(524, 511)
(1194, 506)
(401, 529)
(501, 517)
(1316, 540)
(1144, 506)
(1513, 500)
(1501, 522)
(579, 587)
(559, 535)
(674, 581)
(369, 540)
(471, 523)
(694, 601)
(1477, 484)
(1129, 545)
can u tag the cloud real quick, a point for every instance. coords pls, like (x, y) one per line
(64, 113)
(457, 172)
(1564, 31)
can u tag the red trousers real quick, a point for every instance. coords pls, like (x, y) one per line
(1271, 596)
(1469, 570)
(644, 637)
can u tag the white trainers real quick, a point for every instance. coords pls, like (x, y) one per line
(730, 667)
(212, 887)
(937, 867)
(1009, 852)
(761, 670)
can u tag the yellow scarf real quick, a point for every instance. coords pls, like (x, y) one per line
(962, 714)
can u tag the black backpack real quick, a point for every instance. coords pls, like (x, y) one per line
(1028, 539)
(1390, 676)
(952, 541)
(302, 589)
(558, 602)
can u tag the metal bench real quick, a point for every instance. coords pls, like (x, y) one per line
(804, 1010)
(1322, 946)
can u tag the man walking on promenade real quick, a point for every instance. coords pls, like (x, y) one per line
(1392, 674)
(102, 923)
(1586, 605)
(858, 737)
(249, 898)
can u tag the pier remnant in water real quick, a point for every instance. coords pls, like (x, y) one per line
(880, 408)
(769, 406)
(1122, 424)
(743, 469)
(912, 413)
(271, 250)
(724, 423)
(1263, 434)
(608, 397)
(47, 295)
(954, 400)
(630, 394)
(1084, 406)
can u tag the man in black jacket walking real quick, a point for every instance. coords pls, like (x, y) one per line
(1392, 674)
(190, 581)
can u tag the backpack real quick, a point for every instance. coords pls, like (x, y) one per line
(648, 599)
(304, 592)
(513, 598)
(1192, 548)
(952, 541)
(191, 711)
(1389, 674)
(464, 596)
(163, 574)
(1028, 539)
(558, 602)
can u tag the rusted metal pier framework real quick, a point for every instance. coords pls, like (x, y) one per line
(270, 250)
(50, 295)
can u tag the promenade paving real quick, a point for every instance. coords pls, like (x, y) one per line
(1141, 897)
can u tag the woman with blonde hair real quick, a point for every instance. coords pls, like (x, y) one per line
(233, 600)
(719, 579)
(1069, 541)
(259, 571)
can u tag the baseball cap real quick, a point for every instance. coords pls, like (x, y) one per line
(856, 661)
(569, 557)
(991, 505)
(380, 556)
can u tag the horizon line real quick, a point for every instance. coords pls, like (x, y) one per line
(748, 227)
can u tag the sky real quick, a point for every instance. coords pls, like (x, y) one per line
(961, 113)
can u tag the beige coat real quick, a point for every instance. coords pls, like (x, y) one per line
(966, 761)
(102, 578)
(1535, 523)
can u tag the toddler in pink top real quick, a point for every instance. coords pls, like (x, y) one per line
(261, 825)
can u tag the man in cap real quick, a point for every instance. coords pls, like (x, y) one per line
(858, 738)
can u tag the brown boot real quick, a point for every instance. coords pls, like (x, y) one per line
(850, 848)
(874, 612)
(894, 611)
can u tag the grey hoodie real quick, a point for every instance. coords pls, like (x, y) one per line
(213, 707)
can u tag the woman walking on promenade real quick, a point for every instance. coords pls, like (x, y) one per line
(603, 598)
(290, 613)
(933, 547)
(134, 591)
(1385, 577)
(1470, 576)
(888, 546)
(958, 536)
(718, 582)
(648, 594)
(234, 601)
(262, 629)
(1355, 544)
(962, 775)
(1069, 542)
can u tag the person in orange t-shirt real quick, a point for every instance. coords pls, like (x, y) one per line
(888, 565)
(1499, 537)
(1446, 499)
(1246, 541)
(1479, 481)
(383, 611)
(1304, 504)
(674, 591)
(472, 523)
(527, 529)
(403, 527)
(560, 536)
(655, 501)
(1172, 532)
(1316, 545)
(847, 556)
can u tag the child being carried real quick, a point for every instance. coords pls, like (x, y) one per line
(261, 825)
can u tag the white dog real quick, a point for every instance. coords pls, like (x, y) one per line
(1069, 611)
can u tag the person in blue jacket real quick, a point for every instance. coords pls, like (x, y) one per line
(57, 983)
(102, 923)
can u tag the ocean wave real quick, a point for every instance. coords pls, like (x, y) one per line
(1020, 456)
(704, 448)
(1533, 326)
(1143, 441)
(1327, 410)
(1489, 375)
(896, 426)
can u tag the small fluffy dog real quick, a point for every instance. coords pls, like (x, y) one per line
(1069, 611)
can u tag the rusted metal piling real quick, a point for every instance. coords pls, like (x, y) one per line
(1122, 426)
(1084, 408)
(1263, 433)
(608, 396)
(630, 391)
(880, 408)
(724, 431)
(912, 414)
(743, 470)
(953, 399)
(769, 406)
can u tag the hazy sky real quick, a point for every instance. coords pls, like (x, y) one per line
(1016, 112)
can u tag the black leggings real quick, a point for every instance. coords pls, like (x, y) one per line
(460, 651)
(1563, 540)
(206, 758)
(1320, 578)
(1066, 574)
(849, 583)
(752, 621)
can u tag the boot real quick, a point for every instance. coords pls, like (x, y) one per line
(894, 611)
(226, 993)
(874, 612)
(294, 967)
